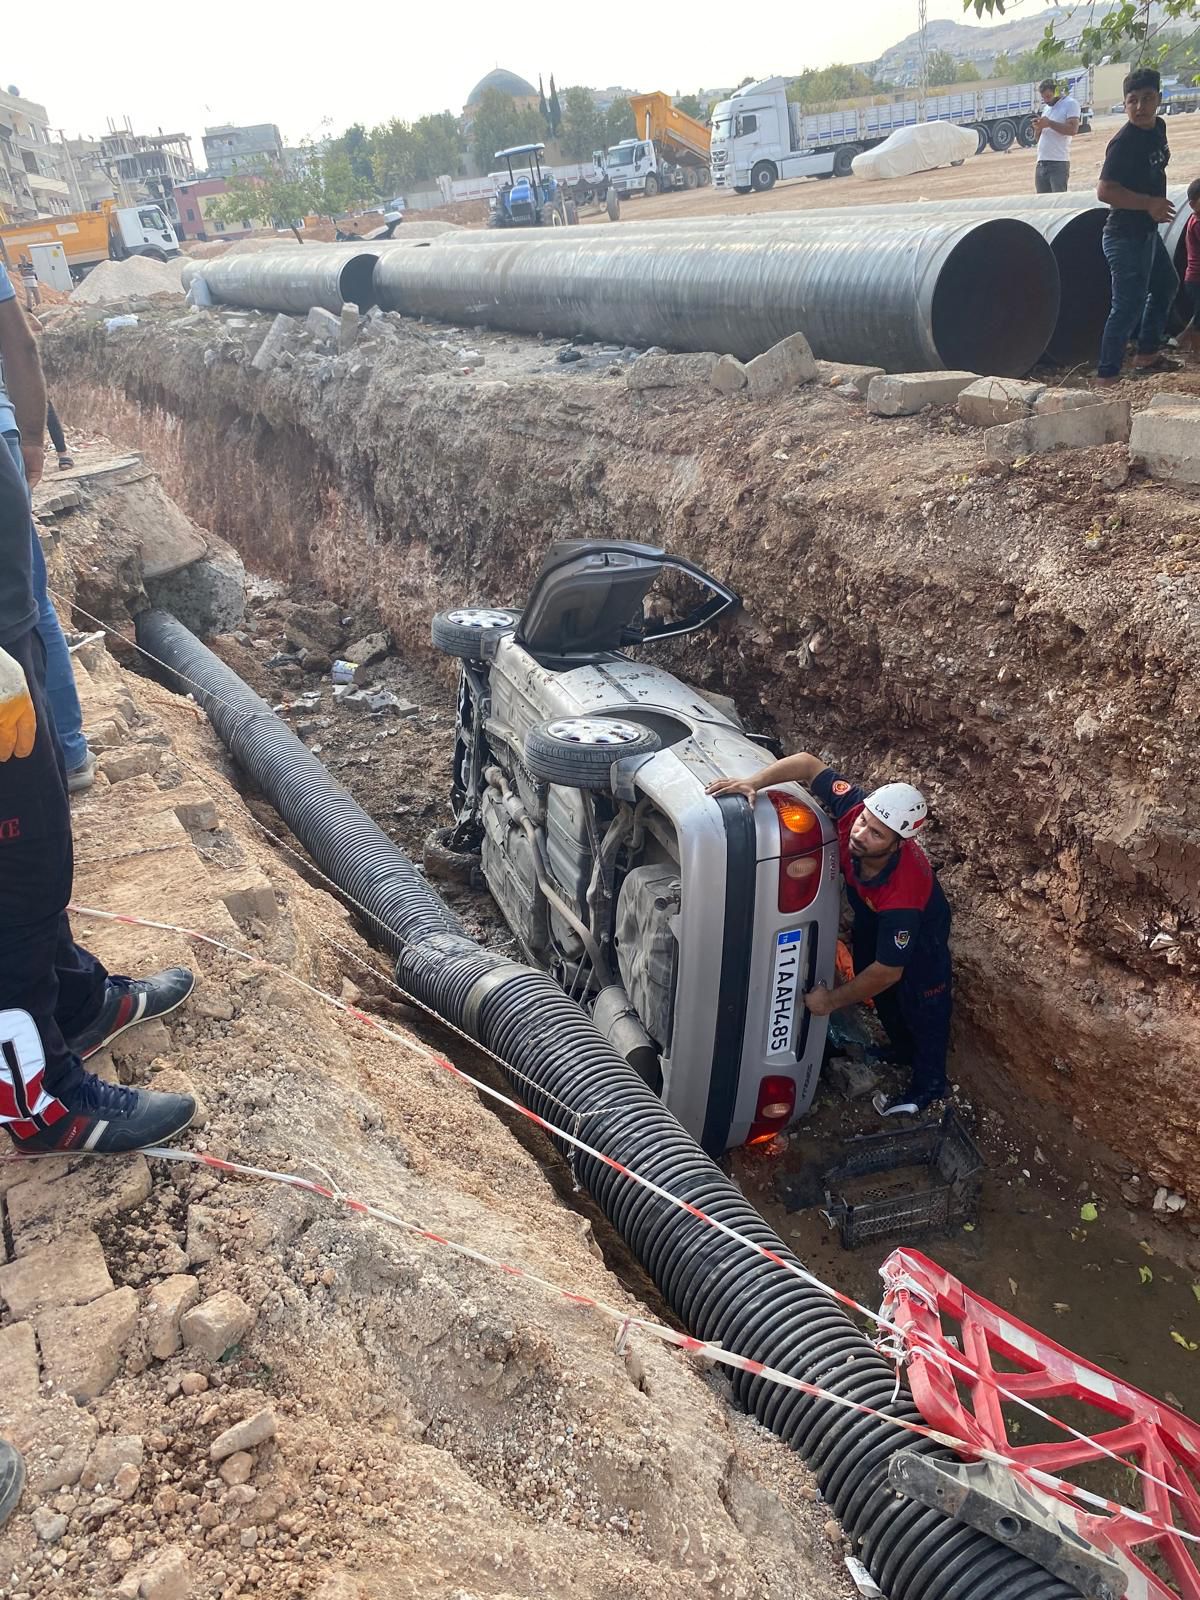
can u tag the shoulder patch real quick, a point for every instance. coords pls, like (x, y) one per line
(902, 936)
(840, 787)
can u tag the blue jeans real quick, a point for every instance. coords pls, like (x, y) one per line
(1144, 286)
(60, 677)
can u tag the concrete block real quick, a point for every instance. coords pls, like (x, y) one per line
(169, 1302)
(216, 1325)
(1159, 401)
(784, 366)
(249, 899)
(852, 1079)
(1055, 400)
(348, 325)
(323, 325)
(902, 394)
(134, 761)
(82, 1346)
(209, 596)
(70, 1271)
(269, 351)
(1167, 438)
(662, 371)
(990, 401)
(728, 376)
(837, 374)
(1106, 422)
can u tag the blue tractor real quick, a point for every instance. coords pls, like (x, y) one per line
(526, 200)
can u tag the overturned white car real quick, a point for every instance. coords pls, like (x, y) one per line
(689, 927)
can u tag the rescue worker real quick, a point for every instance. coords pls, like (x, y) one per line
(901, 937)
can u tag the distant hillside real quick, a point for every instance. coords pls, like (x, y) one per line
(981, 45)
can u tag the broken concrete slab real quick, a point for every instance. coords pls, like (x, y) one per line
(784, 366)
(50, 1202)
(348, 325)
(169, 1301)
(131, 761)
(903, 394)
(18, 1368)
(269, 351)
(70, 1271)
(659, 370)
(82, 1346)
(367, 651)
(1166, 438)
(217, 1325)
(847, 374)
(852, 1079)
(1055, 400)
(990, 401)
(728, 376)
(1106, 422)
(323, 325)
(209, 596)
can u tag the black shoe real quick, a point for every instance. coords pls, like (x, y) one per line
(108, 1119)
(906, 1105)
(12, 1479)
(128, 1001)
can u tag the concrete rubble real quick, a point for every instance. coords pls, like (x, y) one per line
(1166, 438)
(1077, 428)
(903, 394)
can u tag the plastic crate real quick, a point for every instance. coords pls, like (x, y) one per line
(948, 1195)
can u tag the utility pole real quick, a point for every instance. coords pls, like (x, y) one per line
(77, 199)
(923, 53)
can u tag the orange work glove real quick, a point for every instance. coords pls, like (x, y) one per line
(18, 720)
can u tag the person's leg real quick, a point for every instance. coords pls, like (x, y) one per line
(57, 437)
(1162, 288)
(1129, 262)
(1060, 171)
(60, 677)
(926, 1005)
(1041, 178)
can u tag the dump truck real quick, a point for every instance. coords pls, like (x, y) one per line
(111, 234)
(760, 136)
(670, 152)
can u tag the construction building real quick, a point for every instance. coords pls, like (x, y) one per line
(33, 181)
(246, 151)
(194, 221)
(147, 166)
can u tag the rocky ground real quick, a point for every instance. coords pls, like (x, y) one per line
(1020, 639)
(226, 1388)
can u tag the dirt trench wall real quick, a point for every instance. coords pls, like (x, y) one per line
(1021, 642)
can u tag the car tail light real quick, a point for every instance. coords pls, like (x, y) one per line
(799, 851)
(776, 1102)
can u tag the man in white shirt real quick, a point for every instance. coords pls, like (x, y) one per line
(1055, 129)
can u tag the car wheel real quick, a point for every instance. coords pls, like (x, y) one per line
(651, 186)
(461, 633)
(578, 752)
(763, 177)
(441, 860)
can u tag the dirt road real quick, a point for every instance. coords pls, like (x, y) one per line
(989, 174)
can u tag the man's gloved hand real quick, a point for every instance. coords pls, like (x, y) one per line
(18, 720)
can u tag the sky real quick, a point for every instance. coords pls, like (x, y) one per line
(174, 65)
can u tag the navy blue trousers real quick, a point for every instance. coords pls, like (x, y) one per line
(49, 986)
(915, 1013)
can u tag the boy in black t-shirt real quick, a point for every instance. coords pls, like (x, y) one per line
(1133, 181)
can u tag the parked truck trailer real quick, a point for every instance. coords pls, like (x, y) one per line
(760, 136)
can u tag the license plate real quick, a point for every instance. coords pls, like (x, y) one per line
(789, 948)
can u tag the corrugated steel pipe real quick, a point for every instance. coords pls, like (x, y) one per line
(291, 279)
(976, 294)
(1073, 233)
(557, 1060)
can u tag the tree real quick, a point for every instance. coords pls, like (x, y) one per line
(968, 72)
(408, 155)
(277, 199)
(356, 146)
(542, 106)
(618, 122)
(555, 109)
(817, 89)
(691, 106)
(500, 122)
(1002, 67)
(582, 124)
(941, 69)
(335, 186)
(1138, 29)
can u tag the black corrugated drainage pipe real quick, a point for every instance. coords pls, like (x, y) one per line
(967, 293)
(293, 278)
(718, 1288)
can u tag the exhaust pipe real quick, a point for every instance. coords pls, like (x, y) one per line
(554, 1058)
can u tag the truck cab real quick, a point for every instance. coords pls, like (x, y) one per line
(633, 167)
(754, 140)
(142, 230)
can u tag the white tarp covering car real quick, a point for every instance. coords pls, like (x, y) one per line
(917, 149)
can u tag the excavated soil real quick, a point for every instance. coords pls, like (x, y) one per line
(1021, 642)
(440, 1428)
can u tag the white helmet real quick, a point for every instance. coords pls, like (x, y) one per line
(899, 807)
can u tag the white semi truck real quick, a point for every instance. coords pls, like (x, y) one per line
(760, 136)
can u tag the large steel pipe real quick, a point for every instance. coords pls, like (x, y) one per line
(290, 279)
(976, 294)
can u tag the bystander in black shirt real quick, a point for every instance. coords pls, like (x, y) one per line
(1136, 158)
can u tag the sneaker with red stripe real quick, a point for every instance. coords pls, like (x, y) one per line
(103, 1117)
(128, 1001)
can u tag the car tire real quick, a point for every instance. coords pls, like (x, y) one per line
(578, 752)
(461, 632)
(763, 177)
(441, 860)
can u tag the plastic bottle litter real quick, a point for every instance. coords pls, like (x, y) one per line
(129, 320)
(344, 671)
